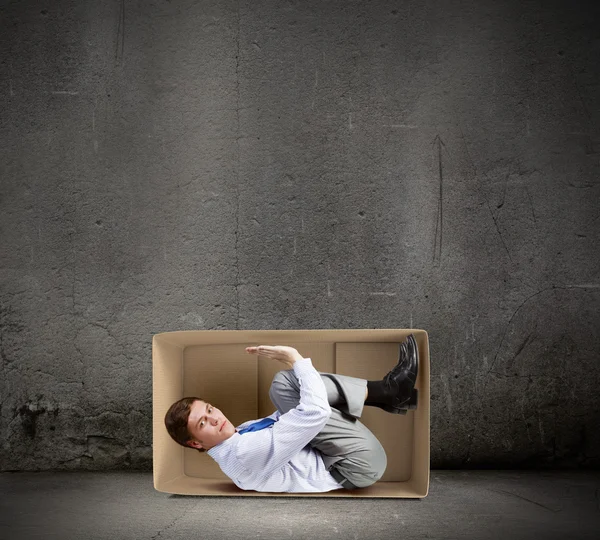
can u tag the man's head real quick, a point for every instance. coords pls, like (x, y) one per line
(197, 424)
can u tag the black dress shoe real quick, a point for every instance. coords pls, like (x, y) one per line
(402, 379)
(409, 406)
(403, 354)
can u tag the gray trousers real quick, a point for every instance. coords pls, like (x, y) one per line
(351, 453)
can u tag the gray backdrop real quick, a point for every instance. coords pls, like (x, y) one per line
(179, 165)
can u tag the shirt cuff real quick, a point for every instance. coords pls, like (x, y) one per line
(302, 366)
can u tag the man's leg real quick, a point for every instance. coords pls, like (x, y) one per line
(344, 441)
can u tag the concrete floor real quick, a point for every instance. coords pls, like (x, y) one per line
(461, 504)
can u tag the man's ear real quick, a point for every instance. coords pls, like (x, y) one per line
(194, 444)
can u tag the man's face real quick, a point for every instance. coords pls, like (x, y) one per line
(208, 425)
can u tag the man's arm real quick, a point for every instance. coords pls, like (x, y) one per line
(270, 449)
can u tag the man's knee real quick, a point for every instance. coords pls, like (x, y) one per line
(281, 381)
(377, 463)
(367, 466)
(381, 462)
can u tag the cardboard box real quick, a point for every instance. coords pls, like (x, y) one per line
(214, 366)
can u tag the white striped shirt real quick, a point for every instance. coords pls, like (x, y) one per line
(279, 458)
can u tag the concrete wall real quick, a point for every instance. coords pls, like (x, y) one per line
(300, 164)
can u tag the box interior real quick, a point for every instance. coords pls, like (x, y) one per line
(214, 366)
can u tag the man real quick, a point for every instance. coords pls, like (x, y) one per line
(313, 442)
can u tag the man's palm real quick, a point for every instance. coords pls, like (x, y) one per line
(283, 353)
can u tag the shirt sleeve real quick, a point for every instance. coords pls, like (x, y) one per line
(269, 449)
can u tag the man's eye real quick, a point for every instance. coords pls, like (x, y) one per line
(202, 423)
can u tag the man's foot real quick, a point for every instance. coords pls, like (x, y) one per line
(399, 383)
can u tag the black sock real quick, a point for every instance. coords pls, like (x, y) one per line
(377, 394)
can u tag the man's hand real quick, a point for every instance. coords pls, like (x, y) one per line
(287, 355)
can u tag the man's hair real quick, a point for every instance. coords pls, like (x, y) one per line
(176, 421)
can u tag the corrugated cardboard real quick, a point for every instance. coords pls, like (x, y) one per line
(214, 366)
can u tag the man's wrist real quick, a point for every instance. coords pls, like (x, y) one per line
(295, 357)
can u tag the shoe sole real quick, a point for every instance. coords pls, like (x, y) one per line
(413, 343)
(414, 395)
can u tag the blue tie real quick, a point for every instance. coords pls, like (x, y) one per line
(262, 424)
